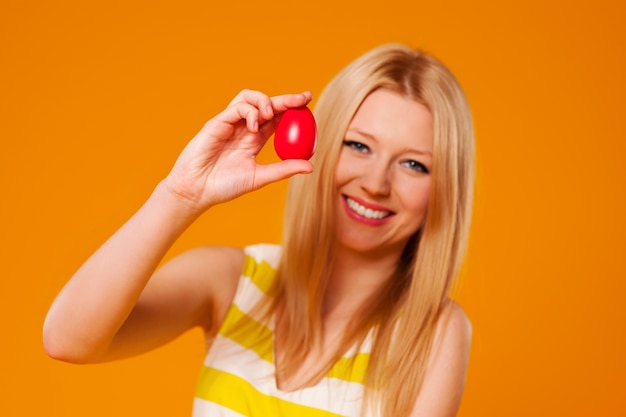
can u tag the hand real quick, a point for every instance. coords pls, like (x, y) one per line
(219, 163)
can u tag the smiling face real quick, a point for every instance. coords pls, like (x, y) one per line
(383, 174)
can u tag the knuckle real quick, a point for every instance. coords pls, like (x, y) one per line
(241, 96)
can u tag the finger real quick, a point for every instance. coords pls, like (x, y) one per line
(267, 128)
(285, 101)
(241, 111)
(258, 99)
(267, 174)
(241, 96)
(288, 101)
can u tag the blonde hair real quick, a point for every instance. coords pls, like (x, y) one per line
(413, 299)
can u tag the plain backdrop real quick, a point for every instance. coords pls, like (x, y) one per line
(97, 98)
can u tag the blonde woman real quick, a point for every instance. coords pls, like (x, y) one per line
(350, 315)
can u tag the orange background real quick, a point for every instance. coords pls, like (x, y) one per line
(97, 99)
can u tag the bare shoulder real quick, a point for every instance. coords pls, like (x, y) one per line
(205, 266)
(212, 271)
(444, 380)
(199, 283)
(219, 259)
(454, 323)
(453, 340)
(222, 267)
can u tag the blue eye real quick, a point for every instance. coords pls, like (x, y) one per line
(416, 166)
(357, 146)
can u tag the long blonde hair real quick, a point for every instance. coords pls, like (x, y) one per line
(413, 299)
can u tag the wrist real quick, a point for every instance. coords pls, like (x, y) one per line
(179, 208)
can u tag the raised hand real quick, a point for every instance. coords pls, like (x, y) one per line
(116, 305)
(219, 163)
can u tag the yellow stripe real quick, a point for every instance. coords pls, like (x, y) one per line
(262, 274)
(249, 333)
(237, 394)
(350, 369)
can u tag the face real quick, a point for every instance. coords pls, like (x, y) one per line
(383, 174)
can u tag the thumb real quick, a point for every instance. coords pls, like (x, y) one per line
(267, 174)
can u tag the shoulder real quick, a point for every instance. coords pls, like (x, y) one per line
(454, 324)
(208, 263)
(444, 380)
(453, 338)
(220, 267)
(224, 269)
(205, 276)
(218, 256)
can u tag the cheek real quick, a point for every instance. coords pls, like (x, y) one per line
(344, 170)
(416, 198)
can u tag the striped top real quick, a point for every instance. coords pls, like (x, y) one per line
(238, 376)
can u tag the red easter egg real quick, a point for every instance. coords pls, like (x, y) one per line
(296, 134)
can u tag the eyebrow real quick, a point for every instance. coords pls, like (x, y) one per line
(372, 137)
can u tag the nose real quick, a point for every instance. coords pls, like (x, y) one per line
(376, 180)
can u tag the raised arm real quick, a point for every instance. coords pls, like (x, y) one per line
(115, 305)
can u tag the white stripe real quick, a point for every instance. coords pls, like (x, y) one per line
(338, 396)
(203, 408)
(247, 296)
(265, 252)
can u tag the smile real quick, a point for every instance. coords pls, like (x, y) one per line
(366, 212)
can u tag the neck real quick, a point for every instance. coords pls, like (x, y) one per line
(355, 278)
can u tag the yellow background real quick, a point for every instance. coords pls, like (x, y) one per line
(97, 99)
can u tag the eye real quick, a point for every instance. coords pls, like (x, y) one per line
(416, 166)
(357, 146)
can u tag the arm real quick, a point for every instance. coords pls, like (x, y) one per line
(113, 306)
(194, 289)
(444, 381)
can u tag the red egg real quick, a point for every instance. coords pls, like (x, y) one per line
(296, 134)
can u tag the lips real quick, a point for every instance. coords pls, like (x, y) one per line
(364, 211)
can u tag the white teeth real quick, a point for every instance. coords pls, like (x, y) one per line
(366, 212)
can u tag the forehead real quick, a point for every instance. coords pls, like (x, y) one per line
(389, 116)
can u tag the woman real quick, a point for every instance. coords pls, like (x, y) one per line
(351, 315)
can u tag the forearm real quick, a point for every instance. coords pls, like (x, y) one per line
(216, 166)
(99, 297)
